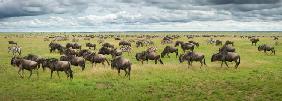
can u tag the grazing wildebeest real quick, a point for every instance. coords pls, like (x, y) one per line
(73, 46)
(97, 58)
(275, 38)
(218, 42)
(76, 61)
(228, 42)
(139, 43)
(35, 58)
(123, 43)
(254, 40)
(227, 48)
(185, 46)
(15, 49)
(192, 56)
(105, 51)
(195, 43)
(12, 42)
(226, 56)
(126, 48)
(121, 63)
(55, 46)
(265, 48)
(91, 45)
(108, 45)
(56, 65)
(25, 64)
(144, 55)
(169, 49)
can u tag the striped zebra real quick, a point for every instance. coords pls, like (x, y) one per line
(152, 49)
(126, 48)
(14, 50)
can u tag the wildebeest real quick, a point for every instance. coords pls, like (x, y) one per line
(121, 63)
(116, 52)
(192, 56)
(123, 43)
(91, 45)
(228, 42)
(275, 38)
(97, 58)
(35, 58)
(108, 45)
(185, 46)
(73, 45)
(24, 64)
(139, 43)
(15, 50)
(144, 55)
(105, 51)
(227, 48)
(69, 51)
(55, 46)
(218, 42)
(152, 49)
(126, 48)
(56, 65)
(195, 43)
(76, 61)
(226, 56)
(254, 40)
(169, 49)
(265, 48)
(12, 42)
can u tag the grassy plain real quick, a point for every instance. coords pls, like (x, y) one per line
(259, 76)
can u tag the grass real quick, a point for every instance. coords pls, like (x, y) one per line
(259, 76)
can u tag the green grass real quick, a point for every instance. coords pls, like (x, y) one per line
(259, 76)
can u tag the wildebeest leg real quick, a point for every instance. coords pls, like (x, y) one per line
(142, 62)
(221, 63)
(19, 73)
(103, 64)
(119, 72)
(156, 61)
(51, 74)
(30, 73)
(37, 73)
(226, 64)
(58, 74)
(67, 73)
(125, 72)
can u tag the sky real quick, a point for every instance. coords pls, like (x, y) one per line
(139, 15)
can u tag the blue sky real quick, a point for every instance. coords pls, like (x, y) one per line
(140, 15)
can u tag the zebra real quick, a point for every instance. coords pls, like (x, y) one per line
(126, 48)
(14, 50)
(152, 49)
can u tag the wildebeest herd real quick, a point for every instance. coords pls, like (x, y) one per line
(74, 54)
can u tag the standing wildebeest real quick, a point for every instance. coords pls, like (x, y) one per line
(105, 50)
(91, 45)
(126, 48)
(35, 58)
(15, 49)
(265, 48)
(195, 43)
(123, 43)
(192, 56)
(254, 40)
(226, 56)
(121, 63)
(218, 42)
(108, 45)
(275, 38)
(228, 42)
(97, 58)
(185, 46)
(25, 64)
(55, 65)
(139, 43)
(169, 49)
(76, 61)
(56, 46)
(227, 48)
(144, 55)
(73, 46)
(12, 42)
